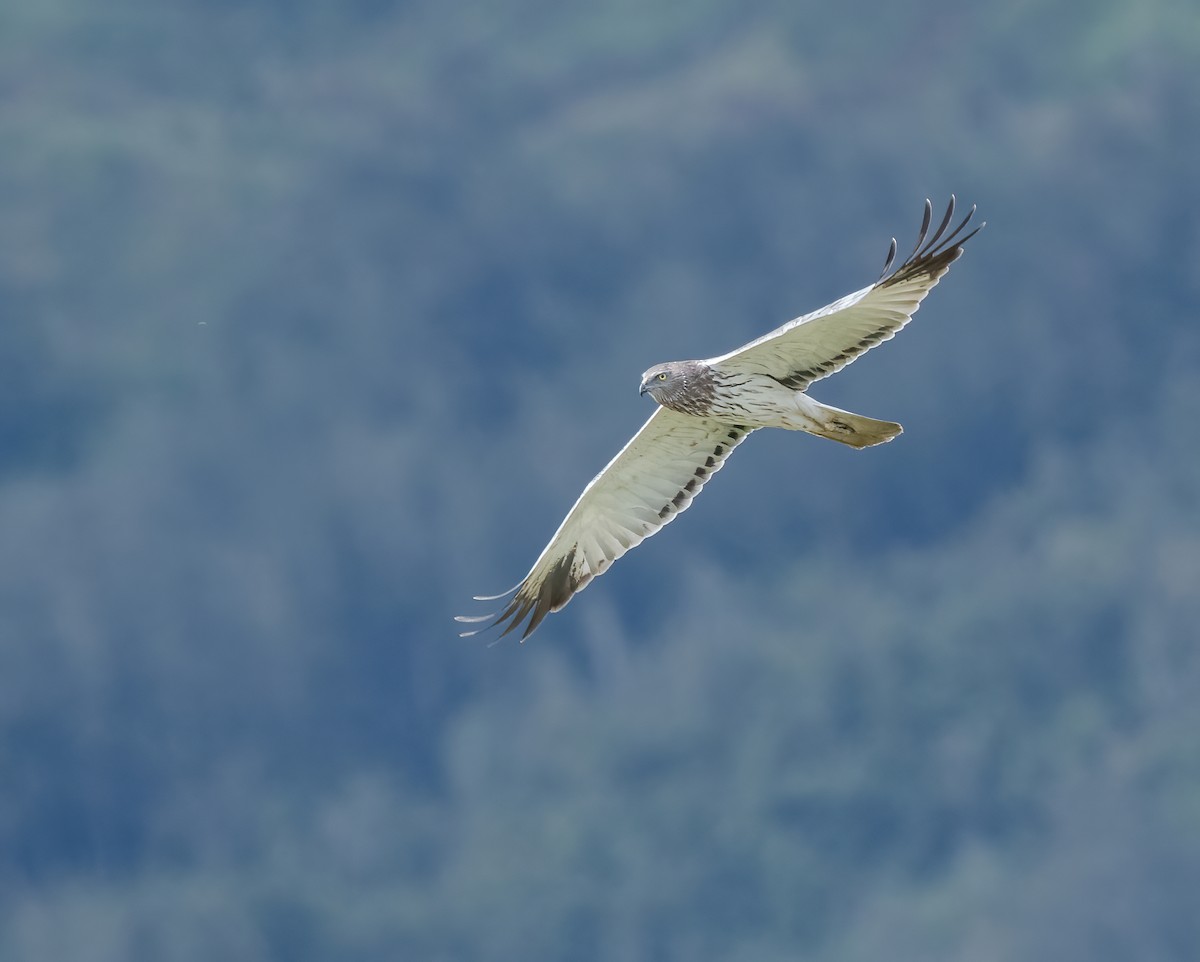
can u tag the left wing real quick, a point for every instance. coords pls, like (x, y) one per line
(818, 344)
(650, 481)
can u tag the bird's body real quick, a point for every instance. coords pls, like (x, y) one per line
(707, 407)
(762, 401)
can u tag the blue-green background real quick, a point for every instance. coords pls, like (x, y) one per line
(316, 316)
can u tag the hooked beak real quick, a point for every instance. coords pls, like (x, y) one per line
(642, 392)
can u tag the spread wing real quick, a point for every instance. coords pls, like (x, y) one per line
(653, 479)
(818, 344)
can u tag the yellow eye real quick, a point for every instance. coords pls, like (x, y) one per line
(663, 376)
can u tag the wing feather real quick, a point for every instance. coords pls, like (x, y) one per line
(652, 480)
(818, 344)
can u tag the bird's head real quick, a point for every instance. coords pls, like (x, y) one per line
(677, 384)
(661, 381)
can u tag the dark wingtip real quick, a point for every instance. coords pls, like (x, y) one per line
(534, 600)
(926, 218)
(887, 264)
(503, 594)
(937, 250)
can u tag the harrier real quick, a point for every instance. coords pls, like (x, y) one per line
(707, 408)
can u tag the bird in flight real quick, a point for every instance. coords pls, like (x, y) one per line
(707, 408)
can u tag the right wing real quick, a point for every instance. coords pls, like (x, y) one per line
(818, 344)
(650, 481)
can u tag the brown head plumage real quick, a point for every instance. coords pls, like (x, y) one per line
(684, 386)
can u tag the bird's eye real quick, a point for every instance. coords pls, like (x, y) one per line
(663, 376)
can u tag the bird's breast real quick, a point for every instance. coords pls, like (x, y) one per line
(754, 399)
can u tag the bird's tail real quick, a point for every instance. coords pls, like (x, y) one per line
(852, 429)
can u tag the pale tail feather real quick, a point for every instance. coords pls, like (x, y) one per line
(852, 429)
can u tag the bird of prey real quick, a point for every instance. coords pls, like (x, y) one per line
(707, 408)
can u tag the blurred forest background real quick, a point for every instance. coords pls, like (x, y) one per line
(316, 316)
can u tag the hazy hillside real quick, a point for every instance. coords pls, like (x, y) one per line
(315, 319)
